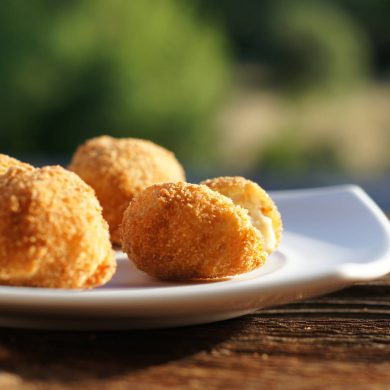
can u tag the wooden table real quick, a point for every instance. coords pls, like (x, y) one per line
(339, 341)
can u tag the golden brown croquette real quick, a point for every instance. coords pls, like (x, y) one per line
(119, 169)
(7, 162)
(179, 231)
(52, 233)
(103, 273)
(261, 209)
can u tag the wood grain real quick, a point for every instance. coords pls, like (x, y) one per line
(338, 341)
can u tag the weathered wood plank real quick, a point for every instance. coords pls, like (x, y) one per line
(338, 341)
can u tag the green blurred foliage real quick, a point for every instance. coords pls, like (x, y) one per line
(302, 45)
(74, 69)
(322, 46)
(373, 17)
(290, 154)
(160, 69)
(308, 51)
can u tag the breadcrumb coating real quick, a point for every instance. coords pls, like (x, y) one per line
(180, 231)
(52, 233)
(119, 169)
(253, 198)
(7, 162)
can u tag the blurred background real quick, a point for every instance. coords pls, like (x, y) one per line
(289, 93)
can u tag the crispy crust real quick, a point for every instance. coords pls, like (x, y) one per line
(52, 233)
(103, 274)
(180, 231)
(7, 162)
(244, 191)
(119, 169)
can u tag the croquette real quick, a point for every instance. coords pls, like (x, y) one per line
(119, 169)
(181, 231)
(261, 209)
(52, 232)
(7, 162)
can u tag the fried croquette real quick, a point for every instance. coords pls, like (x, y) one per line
(261, 209)
(52, 232)
(7, 162)
(119, 169)
(180, 231)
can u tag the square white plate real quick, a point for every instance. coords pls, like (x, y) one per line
(332, 238)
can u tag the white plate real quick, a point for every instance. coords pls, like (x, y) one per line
(333, 237)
